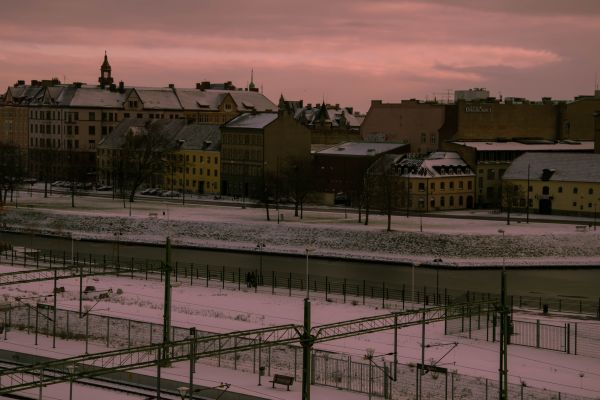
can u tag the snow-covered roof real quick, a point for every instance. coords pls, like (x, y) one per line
(438, 164)
(165, 127)
(93, 96)
(252, 121)
(360, 148)
(196, 99)
(530, 145)
(200, 137)
(568, 167)
(159, 98)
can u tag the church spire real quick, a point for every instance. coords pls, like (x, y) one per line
(105, 78)
(251, 86)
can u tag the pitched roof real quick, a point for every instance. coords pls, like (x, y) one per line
(159, 98)
(567, 167)
(360, 148)
(252, 121)
(531, 145)
(94, 96)
(435, 165)
(200, 137)
(116, 139)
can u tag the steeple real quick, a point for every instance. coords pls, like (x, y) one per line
(105, 78)
(251, 86)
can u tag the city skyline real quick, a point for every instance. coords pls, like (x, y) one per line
(343, 52)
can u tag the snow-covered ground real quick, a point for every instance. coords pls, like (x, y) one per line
(460, 240)
(224, 310)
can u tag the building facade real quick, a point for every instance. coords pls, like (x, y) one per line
(258, 147)
(558, 183)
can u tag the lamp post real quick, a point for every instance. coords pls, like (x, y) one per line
(71, 369)
(180, 143)
(503, 370)
(308, 250)
(259, 247)
(413, 283)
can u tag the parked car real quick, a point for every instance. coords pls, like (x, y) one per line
(170, 193)
(104, 188)
(148, 192)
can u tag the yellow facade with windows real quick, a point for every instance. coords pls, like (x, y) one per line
(193, 171)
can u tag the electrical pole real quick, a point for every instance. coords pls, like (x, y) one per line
(503, 370)
(307, 343)
(528, 181)
(167, 302)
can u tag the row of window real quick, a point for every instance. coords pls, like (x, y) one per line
(432, 138)
(546, 190)
(207, 185)
(56, 143)
(443, 186)
(452, 202)
(179, 157)
(71, 116)
(193, 170)
(242, 154)
(244, 139)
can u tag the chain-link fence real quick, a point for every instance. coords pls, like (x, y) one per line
(381, 294)
(480, 323)
(377, 377)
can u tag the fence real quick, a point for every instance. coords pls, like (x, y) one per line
(380, 294)
(578, 338)
(329, 369)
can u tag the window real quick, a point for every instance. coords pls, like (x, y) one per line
(451, 185)
(545, 190)
(92, 116)
(590, 191)
(76, 144)
(460, 201)
(140, 115)
(216, 160)
(207, 172)
(76, 130)
(442, 186)
(215, 173)
(126, 115)
(92, 144)
(574, 204)
(432, 186)
(423, 138)
(432, 139)
(442, 201)
(92, 130)
(451, 201)
(575, 190)
(208, 160)
(491, 174)
(421, 187)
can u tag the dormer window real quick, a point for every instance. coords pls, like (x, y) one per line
(228, 107)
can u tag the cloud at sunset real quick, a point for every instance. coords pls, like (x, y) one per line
(350, 51)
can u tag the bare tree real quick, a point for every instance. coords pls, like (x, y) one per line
(298, 176)
(12, 170)
(510, 197)
(141, 157)
(384, 188)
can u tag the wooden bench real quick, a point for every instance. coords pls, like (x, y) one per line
(283, 380)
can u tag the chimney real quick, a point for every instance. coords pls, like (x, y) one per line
(203, 85)
(34, 82)
(171, 86)
(121, 87)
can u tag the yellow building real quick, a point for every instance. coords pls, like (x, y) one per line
(559, 183)
(441, 181)
(194, 165)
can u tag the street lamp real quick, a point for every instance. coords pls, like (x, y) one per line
(260, 246)
(180, 143)
(308, 250)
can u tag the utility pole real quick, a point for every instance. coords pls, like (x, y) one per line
(167, 303)
(307, 343)
(528, 182)
(503, 370)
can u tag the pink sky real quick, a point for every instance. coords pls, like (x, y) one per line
(346, 51)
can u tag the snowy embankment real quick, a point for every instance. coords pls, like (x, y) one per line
(458, 241)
